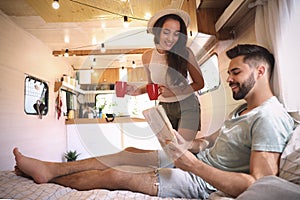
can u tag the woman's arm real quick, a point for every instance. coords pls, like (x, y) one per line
(195, 74)
(194, 71)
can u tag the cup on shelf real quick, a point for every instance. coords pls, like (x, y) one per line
(120, 88)
(152, 90)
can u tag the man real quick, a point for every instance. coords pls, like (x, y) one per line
(246, 148)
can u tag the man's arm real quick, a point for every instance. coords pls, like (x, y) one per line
(232, 183)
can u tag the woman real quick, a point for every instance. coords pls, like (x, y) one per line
(169, 64)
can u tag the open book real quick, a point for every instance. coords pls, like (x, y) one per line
(160, 124)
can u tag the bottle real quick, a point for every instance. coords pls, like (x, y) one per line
(100, 113)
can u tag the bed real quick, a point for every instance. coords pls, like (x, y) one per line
(16, 187)
(284, 186)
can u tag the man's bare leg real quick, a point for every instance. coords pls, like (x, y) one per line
(43, 172)
(123, 177)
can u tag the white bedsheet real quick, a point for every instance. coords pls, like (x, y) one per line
(16, 187)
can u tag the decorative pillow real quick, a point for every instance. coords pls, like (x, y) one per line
(289, 168)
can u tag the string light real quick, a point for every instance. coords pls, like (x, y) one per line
(104, 10)
(94, 62)
(102, 48)
(147, 16)
(133, 64)
(126, 22)
(66, 54)
(55, 4)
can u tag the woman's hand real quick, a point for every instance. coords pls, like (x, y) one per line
(165, 92)
(133, 90)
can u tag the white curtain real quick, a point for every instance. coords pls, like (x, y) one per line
(277, 27)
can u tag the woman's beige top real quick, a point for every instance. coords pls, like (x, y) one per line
(158, 72)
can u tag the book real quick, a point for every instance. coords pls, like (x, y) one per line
(160, 124)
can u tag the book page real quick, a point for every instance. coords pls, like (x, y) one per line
(160, 124)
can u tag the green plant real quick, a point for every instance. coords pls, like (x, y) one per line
(99, 104)
(71, 155)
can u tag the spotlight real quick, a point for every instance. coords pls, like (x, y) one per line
(55, 4)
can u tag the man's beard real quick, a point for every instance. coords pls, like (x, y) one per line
(244, 88)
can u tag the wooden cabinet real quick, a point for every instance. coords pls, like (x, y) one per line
(136, 74)
(108, 75)
(111, 75)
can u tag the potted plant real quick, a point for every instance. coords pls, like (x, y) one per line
(71, 155)
(100, 108)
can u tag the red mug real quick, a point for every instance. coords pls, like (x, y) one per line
(120, 88)
(152, 90)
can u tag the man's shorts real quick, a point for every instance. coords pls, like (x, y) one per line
(175, 182)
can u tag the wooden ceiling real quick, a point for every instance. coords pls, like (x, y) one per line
(88, 23)
(88, 10)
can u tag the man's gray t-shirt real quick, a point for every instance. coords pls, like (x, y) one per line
(265, 128)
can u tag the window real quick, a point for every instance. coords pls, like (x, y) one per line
(210, 72)
(71, 103)
(36, 96)
(127, 106)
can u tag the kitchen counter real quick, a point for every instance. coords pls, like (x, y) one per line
(103, 120)
(96, 137)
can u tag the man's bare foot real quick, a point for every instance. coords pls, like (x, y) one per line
(18, 172)
(31, 167)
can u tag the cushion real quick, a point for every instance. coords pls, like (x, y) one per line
(289, 168)
(271, 187)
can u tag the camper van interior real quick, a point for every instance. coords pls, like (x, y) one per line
(59, 67)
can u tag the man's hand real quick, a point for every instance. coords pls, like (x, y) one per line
(180, 153)
(199, 144)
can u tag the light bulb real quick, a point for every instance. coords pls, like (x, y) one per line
(102, 48)
(126, 22)
(133, 64)
(55, 4)
(66, 54)
(94, 62)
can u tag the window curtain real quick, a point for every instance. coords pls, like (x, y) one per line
(277, 28)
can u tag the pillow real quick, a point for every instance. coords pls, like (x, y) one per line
(271, 187)
(289, 168)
